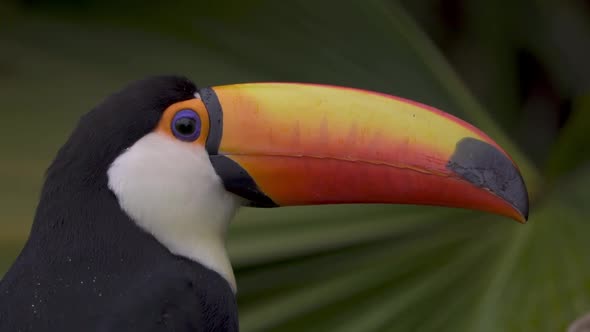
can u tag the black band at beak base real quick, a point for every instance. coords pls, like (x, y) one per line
(236, 180)
(215, 112)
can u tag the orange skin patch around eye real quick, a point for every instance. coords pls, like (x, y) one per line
(165, 124)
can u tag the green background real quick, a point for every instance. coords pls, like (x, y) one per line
(516, 69)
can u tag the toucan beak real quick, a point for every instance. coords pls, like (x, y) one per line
(280, 144)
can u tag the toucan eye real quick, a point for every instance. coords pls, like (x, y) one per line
(186, 125)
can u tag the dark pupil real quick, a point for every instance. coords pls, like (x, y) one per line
(185, 126)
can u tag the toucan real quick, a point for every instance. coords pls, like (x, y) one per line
(129, 232)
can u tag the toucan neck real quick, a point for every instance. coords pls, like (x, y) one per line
(80, 216)
(170, 190)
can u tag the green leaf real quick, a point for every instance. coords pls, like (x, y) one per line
(357, 268)
(553, 32)
(573, 146)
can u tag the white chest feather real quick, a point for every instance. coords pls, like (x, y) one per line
(170, 189)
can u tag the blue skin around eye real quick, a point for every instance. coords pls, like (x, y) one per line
(187, 113)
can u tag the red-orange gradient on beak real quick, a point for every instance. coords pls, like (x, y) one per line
(304, 144)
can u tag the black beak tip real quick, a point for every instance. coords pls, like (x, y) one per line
(483, 165)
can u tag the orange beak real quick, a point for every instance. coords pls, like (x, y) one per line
(280, 144)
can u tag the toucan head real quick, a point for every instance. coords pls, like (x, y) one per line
(181, 160)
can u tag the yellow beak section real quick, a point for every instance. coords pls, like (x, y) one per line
(300, 144)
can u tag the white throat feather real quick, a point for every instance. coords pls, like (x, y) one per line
(170, 189)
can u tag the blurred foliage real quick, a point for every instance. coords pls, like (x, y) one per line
(573, 144)
(343, 268)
